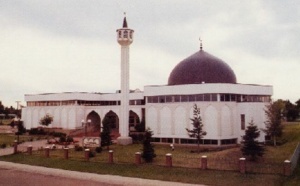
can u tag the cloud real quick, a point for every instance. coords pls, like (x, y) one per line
(58, 46)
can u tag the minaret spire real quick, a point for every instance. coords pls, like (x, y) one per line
(125, 21)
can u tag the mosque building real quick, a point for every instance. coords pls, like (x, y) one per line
(226, 106)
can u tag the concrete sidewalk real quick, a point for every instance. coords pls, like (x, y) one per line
(108, 179)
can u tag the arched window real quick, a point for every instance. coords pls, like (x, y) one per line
(125, 35)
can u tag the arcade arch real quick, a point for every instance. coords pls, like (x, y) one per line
(113, 119)
(95, 121)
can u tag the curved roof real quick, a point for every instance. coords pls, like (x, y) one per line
(201, 67)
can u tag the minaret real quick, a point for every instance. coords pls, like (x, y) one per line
(125, 38)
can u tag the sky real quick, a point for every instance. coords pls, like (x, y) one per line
(54, 46)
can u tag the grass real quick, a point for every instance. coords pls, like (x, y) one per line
(186, 175)
(5, 121)
(10, 138)
(189, 163)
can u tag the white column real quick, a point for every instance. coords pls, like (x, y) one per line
(124, 91)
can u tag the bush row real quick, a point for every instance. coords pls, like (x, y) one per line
(39, 131)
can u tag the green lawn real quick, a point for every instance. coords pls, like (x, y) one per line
(186, 175)
(187, 164)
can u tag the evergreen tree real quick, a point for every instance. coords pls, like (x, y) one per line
(197, 131)
(140, 127)
(148, 149)
(250, 146)
(105, 134)
(273, 122)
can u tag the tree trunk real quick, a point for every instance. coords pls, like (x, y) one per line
(274, 140)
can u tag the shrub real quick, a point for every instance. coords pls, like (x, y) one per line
(37, 131)
(137, 137)
(98, 149)
(69, 139)
(62, 139)
(140, 127)
(12, 124)
(91, 154)
(78, 148)
(58, 134)
(3, 146)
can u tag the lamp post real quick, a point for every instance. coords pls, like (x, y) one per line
(85, 123)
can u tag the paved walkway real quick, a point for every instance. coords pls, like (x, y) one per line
(23, 147)
(84, 177)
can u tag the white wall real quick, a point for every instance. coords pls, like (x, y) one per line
(221, 120)
(68, 117)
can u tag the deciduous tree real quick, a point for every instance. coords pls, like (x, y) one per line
(273, 121)
(46, 120)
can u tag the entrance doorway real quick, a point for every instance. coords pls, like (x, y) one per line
(94, 126)
(113, 120)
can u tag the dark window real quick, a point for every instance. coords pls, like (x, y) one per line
(192, 98)
(206, 97)
(238, 98)
(199, 97)
(155, 139)
(243, 121)
(184, 98)
(214, 97)
(155, 99)
(125, 34)
(222, 97)
(177, 98)
(164, 140)
(228, 141)
(214, 142)
(227, 97)
(233, 97)
(162, 99)
(244, 98)
(169, 99)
